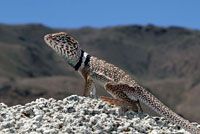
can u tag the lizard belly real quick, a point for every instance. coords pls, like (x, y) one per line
(100, 79)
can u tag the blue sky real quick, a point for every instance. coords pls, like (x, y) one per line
(101, 13)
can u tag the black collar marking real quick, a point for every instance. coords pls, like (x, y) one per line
(87, 60)
(76, 67)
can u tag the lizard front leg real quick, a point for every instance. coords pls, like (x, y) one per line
(89, 88)
(117, 90)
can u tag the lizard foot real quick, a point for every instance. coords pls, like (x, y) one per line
(119, 103)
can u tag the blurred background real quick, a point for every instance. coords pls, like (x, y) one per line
(156, 42)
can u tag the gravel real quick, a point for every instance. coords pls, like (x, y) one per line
(79, 115)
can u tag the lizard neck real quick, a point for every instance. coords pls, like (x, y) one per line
(83, 61)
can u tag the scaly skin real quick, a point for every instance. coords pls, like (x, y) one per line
(124, 89)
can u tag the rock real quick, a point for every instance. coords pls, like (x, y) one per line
(76, 114)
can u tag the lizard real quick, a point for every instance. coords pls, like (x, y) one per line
(126, 92)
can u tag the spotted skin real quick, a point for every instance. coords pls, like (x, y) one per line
(151, 101)
(64, 45)
(121, 86)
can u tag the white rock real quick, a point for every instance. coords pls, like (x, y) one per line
(76, 114)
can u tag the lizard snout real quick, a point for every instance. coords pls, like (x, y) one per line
(46, 37)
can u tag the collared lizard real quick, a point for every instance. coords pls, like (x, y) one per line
(125, 91)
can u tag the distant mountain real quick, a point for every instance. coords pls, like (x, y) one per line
(164, 60)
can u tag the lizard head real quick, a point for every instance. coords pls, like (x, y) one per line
(64, 45)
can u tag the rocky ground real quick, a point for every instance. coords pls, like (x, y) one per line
(76, 114)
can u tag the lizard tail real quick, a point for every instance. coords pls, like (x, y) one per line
(151, 101)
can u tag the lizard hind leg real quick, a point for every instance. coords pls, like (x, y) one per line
(120, 103)
(118, 90)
